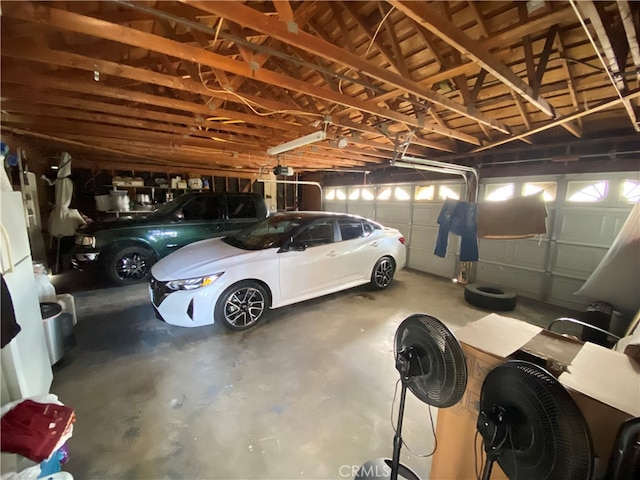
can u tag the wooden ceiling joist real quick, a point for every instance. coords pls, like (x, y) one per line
(217, 83)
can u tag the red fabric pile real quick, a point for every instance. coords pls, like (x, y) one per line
(33, 429)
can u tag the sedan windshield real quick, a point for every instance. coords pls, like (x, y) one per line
(271, 232)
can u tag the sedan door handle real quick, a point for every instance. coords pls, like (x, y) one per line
(333, 253)
(375, 244)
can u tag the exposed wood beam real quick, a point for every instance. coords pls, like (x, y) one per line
(589, 10)
(522, 109)
(393, 40)
(479, 18)
(349, 45)
(566, 68)
(478, 85)
(351, 8)
(537, 72)
(122, 117)
(232, 154)
(428, 38)
(369, 129)
(433, 22)
(130, 96)
(250, 18)
(92, 26)
(544, 57)
(498, 41)
(20, 131)
(284, 10)
(529, 61)
(632, 36)
(614, 69)
(593, 109)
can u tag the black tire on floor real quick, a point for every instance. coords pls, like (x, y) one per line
(490, 297)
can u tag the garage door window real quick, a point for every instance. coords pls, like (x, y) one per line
(385, 193)
(630, 191)
(424, 192)
(587, 192)
(361, 194)
(449, 191)
(549, 189)
(402, 193)
(498, 192)
(335, 194)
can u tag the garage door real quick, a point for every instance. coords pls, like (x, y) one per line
(411, 208)
(585, 213)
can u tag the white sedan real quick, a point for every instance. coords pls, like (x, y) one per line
(286, 258)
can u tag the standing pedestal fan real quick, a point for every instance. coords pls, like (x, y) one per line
(431, 365)
(532, 426)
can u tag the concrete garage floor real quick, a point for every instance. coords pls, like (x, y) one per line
(307, 394)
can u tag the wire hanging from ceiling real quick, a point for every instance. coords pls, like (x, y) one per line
(244, 100)
(373, 38)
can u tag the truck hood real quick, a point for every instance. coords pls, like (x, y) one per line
(113, 223)
(200, 258)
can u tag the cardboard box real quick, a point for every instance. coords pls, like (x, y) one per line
(605, 385)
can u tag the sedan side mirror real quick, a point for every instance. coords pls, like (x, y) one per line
(178, 216)
(293, 247)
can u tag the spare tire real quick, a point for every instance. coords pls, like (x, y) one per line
(490, 297)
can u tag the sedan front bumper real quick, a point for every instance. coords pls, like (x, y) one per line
(184, 308)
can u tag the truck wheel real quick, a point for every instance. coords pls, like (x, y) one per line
(129, 265)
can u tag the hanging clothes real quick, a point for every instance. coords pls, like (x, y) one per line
(63, 221)
(459, 218)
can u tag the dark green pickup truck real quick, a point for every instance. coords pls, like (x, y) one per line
(125, 248)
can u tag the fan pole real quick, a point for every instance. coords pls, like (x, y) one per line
(486, 473)
(397, 439)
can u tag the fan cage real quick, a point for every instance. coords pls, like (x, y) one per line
(561, 444)
(444, 370)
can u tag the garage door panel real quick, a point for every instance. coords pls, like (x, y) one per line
(577, 260)
(524, 282)
(562, 293)
(387, 213)
(426, 214)
(426, 261)
(425, 237)
(340, 207)
(363, 209)
(590, 227)
(526, 253)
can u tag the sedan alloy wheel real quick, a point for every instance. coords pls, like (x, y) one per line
(242, 305)
(382, 273)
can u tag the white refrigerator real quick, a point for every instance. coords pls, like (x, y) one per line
(26, 370)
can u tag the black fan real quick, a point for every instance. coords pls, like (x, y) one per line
(532, 426)
(431, 365)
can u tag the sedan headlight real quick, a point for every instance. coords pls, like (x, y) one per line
(192, 283)
(86, 240)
